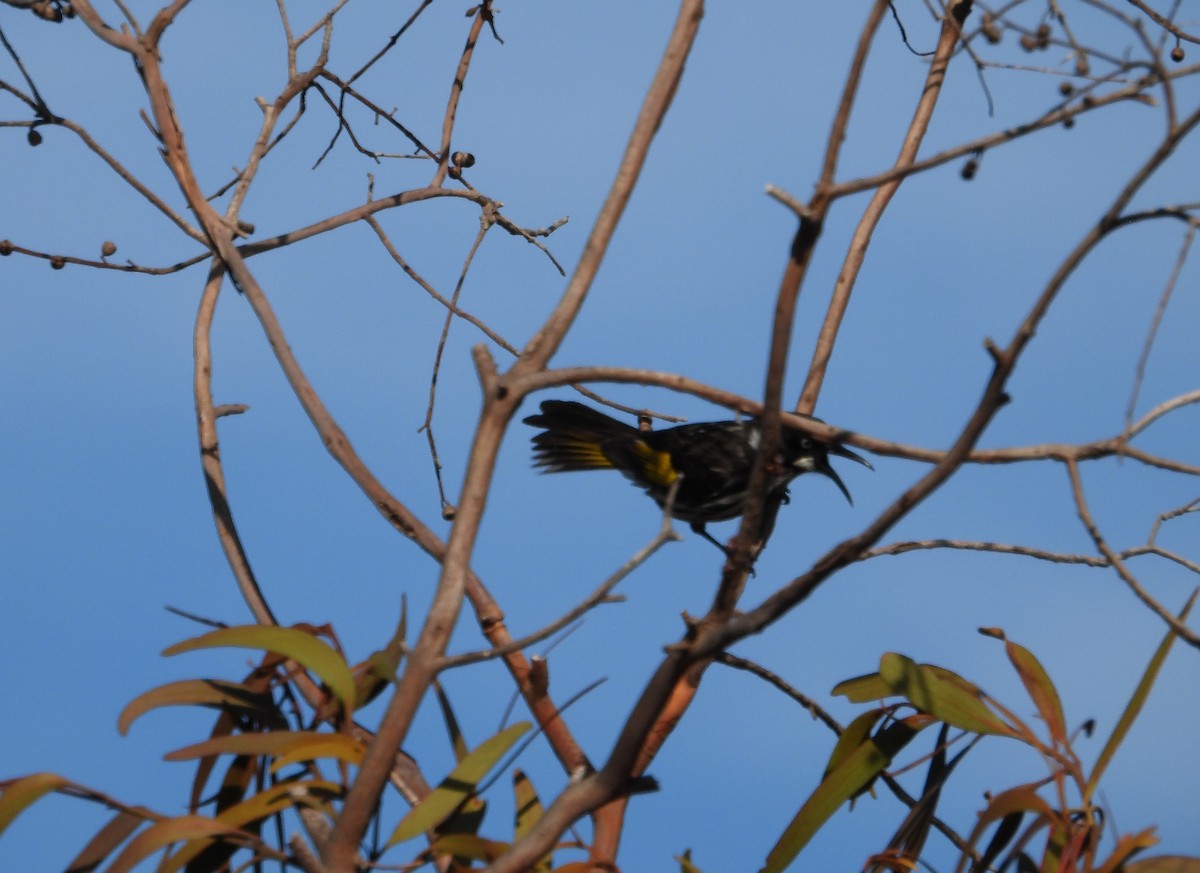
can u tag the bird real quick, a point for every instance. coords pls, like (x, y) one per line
(711, 461)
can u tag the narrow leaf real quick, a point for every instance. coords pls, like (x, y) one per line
(471, 846)
(1005, 831)
(301, 745)
(855, 772)
(458, 786)
(373, 676)
(846, 781)
(1006, 806)
(252, 810)
(864, 689)
(457, 740)
(1136, 702)
(1164, 864)
(164, 833)
(198, 692)
(23, 792)
(528, 805)
(1127, 847)
(106, 840)
(908, 842)
(1041, 690)
(1022, 798)
(339, 746)
(528, 813)
(855, 734)
(302, 647)
(942, 693)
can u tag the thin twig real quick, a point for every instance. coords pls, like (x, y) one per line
(601, 595)
(814, 708)
(1191, 506)
(482, 13)
(210, 454)
(486, 220)
(1164, 22)
(1089, 523)
(1155, 322)
(873, 213)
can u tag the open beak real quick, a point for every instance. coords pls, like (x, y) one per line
(843, 452)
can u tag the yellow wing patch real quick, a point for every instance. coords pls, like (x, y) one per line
(656, 466)
(589, 455)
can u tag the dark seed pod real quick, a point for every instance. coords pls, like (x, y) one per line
(990, 30)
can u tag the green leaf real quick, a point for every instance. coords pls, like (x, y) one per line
(253, 809)
(855, 734)
(379, 670)
(863, 765)
(1007, 807)
(942, 693)
(23, 792)
(1041, 690)
(106, 840)
(292, 745)
(528, 813)
(1136, 702)
(1164, 864)
(199, 692)
(339, 746)
(458, 786)
(471, 846)
(457, 740)
(1128, 846)
(529, 807)
(864, 689)
(300, 646)
(844, 782)
(164, 833)
(685, 863)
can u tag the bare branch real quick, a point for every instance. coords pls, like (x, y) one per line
(542, 346)
(210, 454)
(852, 264)
(1085, 516)
(602, 594)
(485, 224)
(1164, 22)
(483, 12)
(1159, 312)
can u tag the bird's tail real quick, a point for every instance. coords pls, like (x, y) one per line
(574, 436)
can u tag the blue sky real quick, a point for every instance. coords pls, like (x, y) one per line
(104, 513)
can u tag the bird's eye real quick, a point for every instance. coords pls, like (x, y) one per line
(806, 443)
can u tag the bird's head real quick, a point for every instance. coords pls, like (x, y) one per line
(809, 455)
